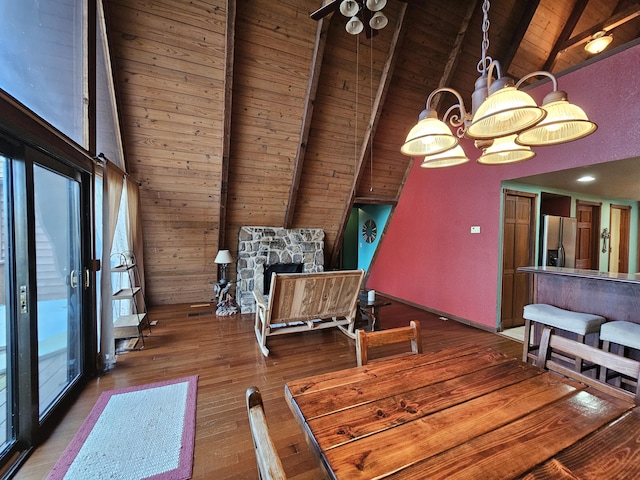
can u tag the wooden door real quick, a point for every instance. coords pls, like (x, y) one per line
(517, 251)
(587, 241)
(619, 227)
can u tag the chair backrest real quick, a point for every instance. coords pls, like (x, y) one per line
(308, 296)
(550, 342)
(269, 464)
(366, 340)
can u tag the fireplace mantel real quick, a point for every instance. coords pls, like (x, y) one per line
(262, 246)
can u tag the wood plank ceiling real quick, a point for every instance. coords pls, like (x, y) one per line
(251, 113)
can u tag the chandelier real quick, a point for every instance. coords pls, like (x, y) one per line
(504, 122)
(368, 10)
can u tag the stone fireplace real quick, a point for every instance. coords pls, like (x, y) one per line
(260, 247)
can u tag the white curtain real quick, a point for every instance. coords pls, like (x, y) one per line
(112, 185)
(134, 227)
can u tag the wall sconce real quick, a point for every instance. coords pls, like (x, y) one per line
(223, 258)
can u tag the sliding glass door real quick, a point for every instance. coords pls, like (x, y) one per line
(46, 324)
(6, 410)
(59, 281)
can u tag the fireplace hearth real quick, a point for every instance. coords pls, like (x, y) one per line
(261, 247)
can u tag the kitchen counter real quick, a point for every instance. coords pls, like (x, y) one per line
(582, 273)
(615, 296)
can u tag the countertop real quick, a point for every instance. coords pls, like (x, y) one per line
(582, 273)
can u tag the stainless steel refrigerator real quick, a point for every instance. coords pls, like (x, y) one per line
(559, 241)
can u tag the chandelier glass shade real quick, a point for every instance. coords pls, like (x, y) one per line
(505, 121)
(504, 112)
(564, 122)
(505, 150)
(429, 136)
(454, 156)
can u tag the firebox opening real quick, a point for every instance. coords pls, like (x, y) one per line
(279, 268)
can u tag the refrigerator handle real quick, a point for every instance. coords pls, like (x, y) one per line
(561, 255)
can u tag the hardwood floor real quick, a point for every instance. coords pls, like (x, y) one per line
(224, 353)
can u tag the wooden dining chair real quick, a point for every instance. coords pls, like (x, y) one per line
(367, 340)
(551, 342)
(269, 464)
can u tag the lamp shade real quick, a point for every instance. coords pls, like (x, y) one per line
(354, 26)
(349, 8)
(505, 150)
(223, 257)
(504, 112)
(564, 122)
(376, 5)
(455, 156)
(378, 21)
(428, 137)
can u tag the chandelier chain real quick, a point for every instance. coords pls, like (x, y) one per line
(484, 62)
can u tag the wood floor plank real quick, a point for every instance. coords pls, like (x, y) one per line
(224, 353)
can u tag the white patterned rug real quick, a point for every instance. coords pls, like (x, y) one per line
(143, 432)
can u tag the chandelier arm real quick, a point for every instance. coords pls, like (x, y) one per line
(459, 105)
(493, 65)
(456, 121)
(539, 73)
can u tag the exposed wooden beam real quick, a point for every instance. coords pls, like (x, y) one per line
(521, 29)
(327, 8)
(230, 34)
(454, 54)
(376, 110)
(614, 21)
(569, 26)
(312, 89)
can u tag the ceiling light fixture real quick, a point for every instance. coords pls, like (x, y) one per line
(504, 121)
(599, 41)
(587, 179)
(369, 10)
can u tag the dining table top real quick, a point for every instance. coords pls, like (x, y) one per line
(467, 412)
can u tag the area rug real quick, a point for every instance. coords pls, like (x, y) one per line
(144, 432)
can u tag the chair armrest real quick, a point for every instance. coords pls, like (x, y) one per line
(260, 300)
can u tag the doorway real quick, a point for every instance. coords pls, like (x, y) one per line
(619, 231)
(588, 234)
(518, 250)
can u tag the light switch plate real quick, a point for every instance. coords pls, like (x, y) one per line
(475, 229)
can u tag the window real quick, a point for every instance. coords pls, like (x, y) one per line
(43, 60)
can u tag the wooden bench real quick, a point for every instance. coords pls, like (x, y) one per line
(301, 302)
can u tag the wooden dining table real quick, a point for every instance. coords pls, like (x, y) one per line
(467, 412)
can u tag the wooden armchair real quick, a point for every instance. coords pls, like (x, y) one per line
(269, 464)
(551, 342)
(366, 340)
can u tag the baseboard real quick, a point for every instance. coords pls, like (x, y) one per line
(446, 315)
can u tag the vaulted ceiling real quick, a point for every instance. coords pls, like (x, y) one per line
(252, 113)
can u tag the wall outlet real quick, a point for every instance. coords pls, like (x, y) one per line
(475, 229)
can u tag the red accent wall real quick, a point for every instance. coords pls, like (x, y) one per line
(428, 255)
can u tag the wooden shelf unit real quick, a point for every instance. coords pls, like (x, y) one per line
(130, 326)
